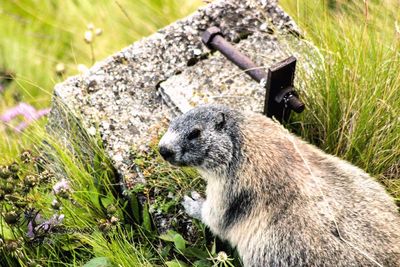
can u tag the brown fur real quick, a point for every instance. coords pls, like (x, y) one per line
(335, 216)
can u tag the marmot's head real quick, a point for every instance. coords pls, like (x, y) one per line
(207, 137)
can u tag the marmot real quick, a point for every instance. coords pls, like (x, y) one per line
(279, 200)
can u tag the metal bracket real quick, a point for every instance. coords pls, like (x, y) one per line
(280, 96)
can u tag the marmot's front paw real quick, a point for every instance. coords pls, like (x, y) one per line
(193, 205)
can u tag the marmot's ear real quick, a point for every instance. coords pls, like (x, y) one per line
(220, 121)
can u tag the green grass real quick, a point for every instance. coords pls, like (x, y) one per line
(353, 108)
(37, 35)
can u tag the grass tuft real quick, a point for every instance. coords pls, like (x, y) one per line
(353, 104)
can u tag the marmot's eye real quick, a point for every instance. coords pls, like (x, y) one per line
(194, 134)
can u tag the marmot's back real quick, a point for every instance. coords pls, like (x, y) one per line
(344, 215)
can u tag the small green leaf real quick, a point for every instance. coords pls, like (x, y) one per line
(139, 161)
(72, 245)
(99, 262)
(146, 217)
(202, 263)
(138, 188)
(179, 242)
(165, 251)
(168, 236)
(106, 200)
(196, 252)
(135, 207)
(176, 263)
(214, 248)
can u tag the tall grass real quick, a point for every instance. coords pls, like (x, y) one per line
(353, 102)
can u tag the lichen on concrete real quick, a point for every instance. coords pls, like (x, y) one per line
(121, 96)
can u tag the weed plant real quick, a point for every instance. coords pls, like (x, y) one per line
(61, 208)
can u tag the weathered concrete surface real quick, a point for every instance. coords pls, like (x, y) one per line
(217, 80)
(121, 95)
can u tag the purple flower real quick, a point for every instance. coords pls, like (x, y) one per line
(38, 226)
(1, 88)
(29, 113)
(61, 187)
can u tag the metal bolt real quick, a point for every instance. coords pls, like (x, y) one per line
(294, 103)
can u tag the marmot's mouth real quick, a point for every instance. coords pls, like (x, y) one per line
(175, 162)
(178, 163)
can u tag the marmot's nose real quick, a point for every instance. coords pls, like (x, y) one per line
(166, 153)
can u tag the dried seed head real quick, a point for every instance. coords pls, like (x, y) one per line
(55, 204)
(104, 226)
(8, 187)
(60, 69)
(14, 167)
(30, 181)
(88, 37)
(4, 172)
(98, 31)
(32, 263)
(90, 26)
(111, 209)
(114, 220)
(11, 217)
(46, 176)
(11, 245)
(26, 156)
(12, 181)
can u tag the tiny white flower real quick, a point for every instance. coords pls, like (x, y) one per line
(92, 131)
(222, 257)
(60, 218)
(90, 26)
(114, 220)
(55, 204)
(60, 68)
(88, 37)
(98, 31)
(82, 68)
